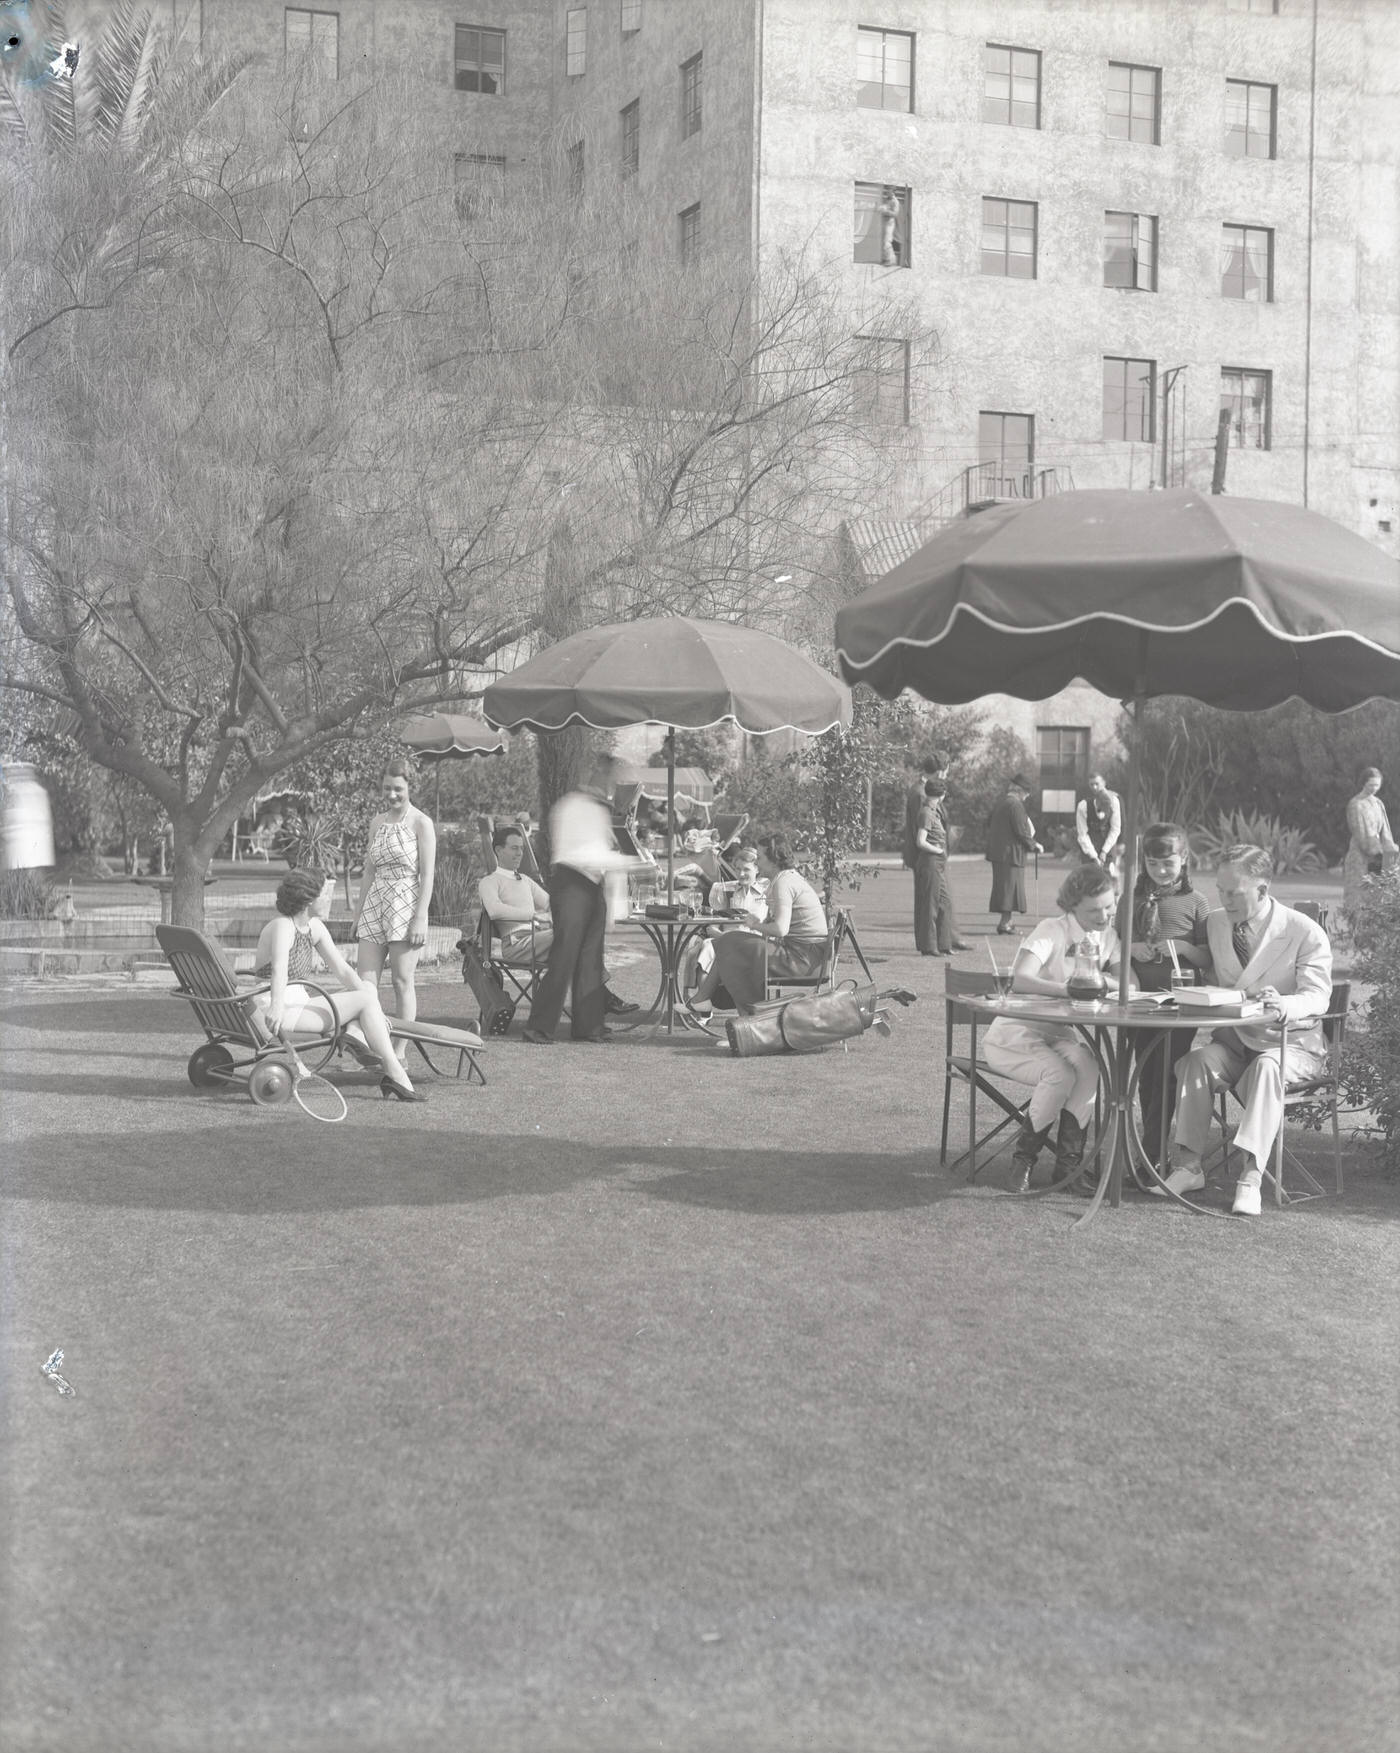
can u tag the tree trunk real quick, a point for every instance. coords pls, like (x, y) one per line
(562, 759)
(191, 866)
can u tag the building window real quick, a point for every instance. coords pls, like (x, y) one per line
(632, 138)
(479, 58)
(690, 233)
(1008, 238)
(575, 42)
(691, 87)
(882, 225)
(1247, 395)
(1247, 264)
(1006, 450)
(1129, 399)
(1133, 103)
(576, 168)
(314, 34)
(880, 382)
(631, 17)
(1130, 251)
(1249, 119)
(1062, 753)
(480, 179)
(1011, 86)
(885, 70)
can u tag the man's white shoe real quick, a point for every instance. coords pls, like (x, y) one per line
(1181, 1181)
(1247, 1199)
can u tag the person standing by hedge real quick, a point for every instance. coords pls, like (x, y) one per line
(1372, 851)
(1010, 841)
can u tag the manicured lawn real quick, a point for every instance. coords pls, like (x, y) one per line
(647, 1398)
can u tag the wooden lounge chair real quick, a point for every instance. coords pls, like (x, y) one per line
(237, 1039)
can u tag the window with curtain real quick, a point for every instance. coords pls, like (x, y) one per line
(632, 137)
(1008, 238)
(691, 95)
(1129, 399)
(1062, 755)
(316, 34)
(479, 60)
(1132, 103)
(690, 233)
(1249, 119)
(1247, 263)
(880, 383)
(881, 225)
(631, 17)
(1011, 86)
(481, 182)
(1247, 395)
(885, 69)
(1130, 251)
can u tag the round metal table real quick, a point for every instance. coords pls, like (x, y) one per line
(1107, 1028)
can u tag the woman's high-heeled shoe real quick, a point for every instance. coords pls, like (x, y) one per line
(400, 1092)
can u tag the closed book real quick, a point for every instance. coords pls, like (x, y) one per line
(1224, 1000)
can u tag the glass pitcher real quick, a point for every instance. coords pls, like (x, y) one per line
(1086, 986)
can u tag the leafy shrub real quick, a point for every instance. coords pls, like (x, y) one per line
(457, 872)
(25, 894)
(1292, 854)
(1371, 1057)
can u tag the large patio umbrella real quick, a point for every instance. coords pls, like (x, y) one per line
(669, 670)
(1241, 603)
(449, 736)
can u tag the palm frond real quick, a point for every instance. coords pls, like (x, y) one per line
(129, 60)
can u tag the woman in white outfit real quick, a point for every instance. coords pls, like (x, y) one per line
(1051, 1056)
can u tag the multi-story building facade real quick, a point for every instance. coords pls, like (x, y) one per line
(1119, 217)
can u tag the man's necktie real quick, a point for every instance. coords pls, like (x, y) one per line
(1244, 943)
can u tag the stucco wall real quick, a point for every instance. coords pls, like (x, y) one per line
(1037, 346)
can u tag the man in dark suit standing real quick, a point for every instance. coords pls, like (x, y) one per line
(1010, 841)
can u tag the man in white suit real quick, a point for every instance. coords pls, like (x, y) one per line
(1284, 959)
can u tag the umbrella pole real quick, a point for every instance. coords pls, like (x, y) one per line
(437, 791)
(1130, 839)
(671, 814)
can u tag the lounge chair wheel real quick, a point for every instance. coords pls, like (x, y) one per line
(209, 1066)
(270, 1084)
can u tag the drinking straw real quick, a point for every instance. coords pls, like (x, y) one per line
(1171, 951)
(991, 958)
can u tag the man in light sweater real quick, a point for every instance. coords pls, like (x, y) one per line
(1283, 959)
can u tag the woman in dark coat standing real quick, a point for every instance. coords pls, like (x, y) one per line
(1010, 841)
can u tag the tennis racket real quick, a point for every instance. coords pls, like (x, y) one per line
(313, 1094)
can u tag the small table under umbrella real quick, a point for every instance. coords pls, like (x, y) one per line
(1240, 603)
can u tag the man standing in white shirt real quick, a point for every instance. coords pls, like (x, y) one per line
(583, 851)
(1098, 825)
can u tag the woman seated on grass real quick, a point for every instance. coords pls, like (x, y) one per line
(286, 956)
(795, 927)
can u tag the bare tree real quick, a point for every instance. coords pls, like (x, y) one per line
(302, 428)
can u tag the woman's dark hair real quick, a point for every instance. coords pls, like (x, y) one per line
(1370, 773)
(1082, 882)
(396, 767)
(299, 888)
(776, 850)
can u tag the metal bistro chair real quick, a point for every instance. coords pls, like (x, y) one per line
(1322, 1091)
(966, 1068)
(823, 979)
(524, 977)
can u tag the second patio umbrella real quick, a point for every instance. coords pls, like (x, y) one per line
(448, 736)
(671, 670)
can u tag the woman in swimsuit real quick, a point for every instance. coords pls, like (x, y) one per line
(391, 921)
(286, 956)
